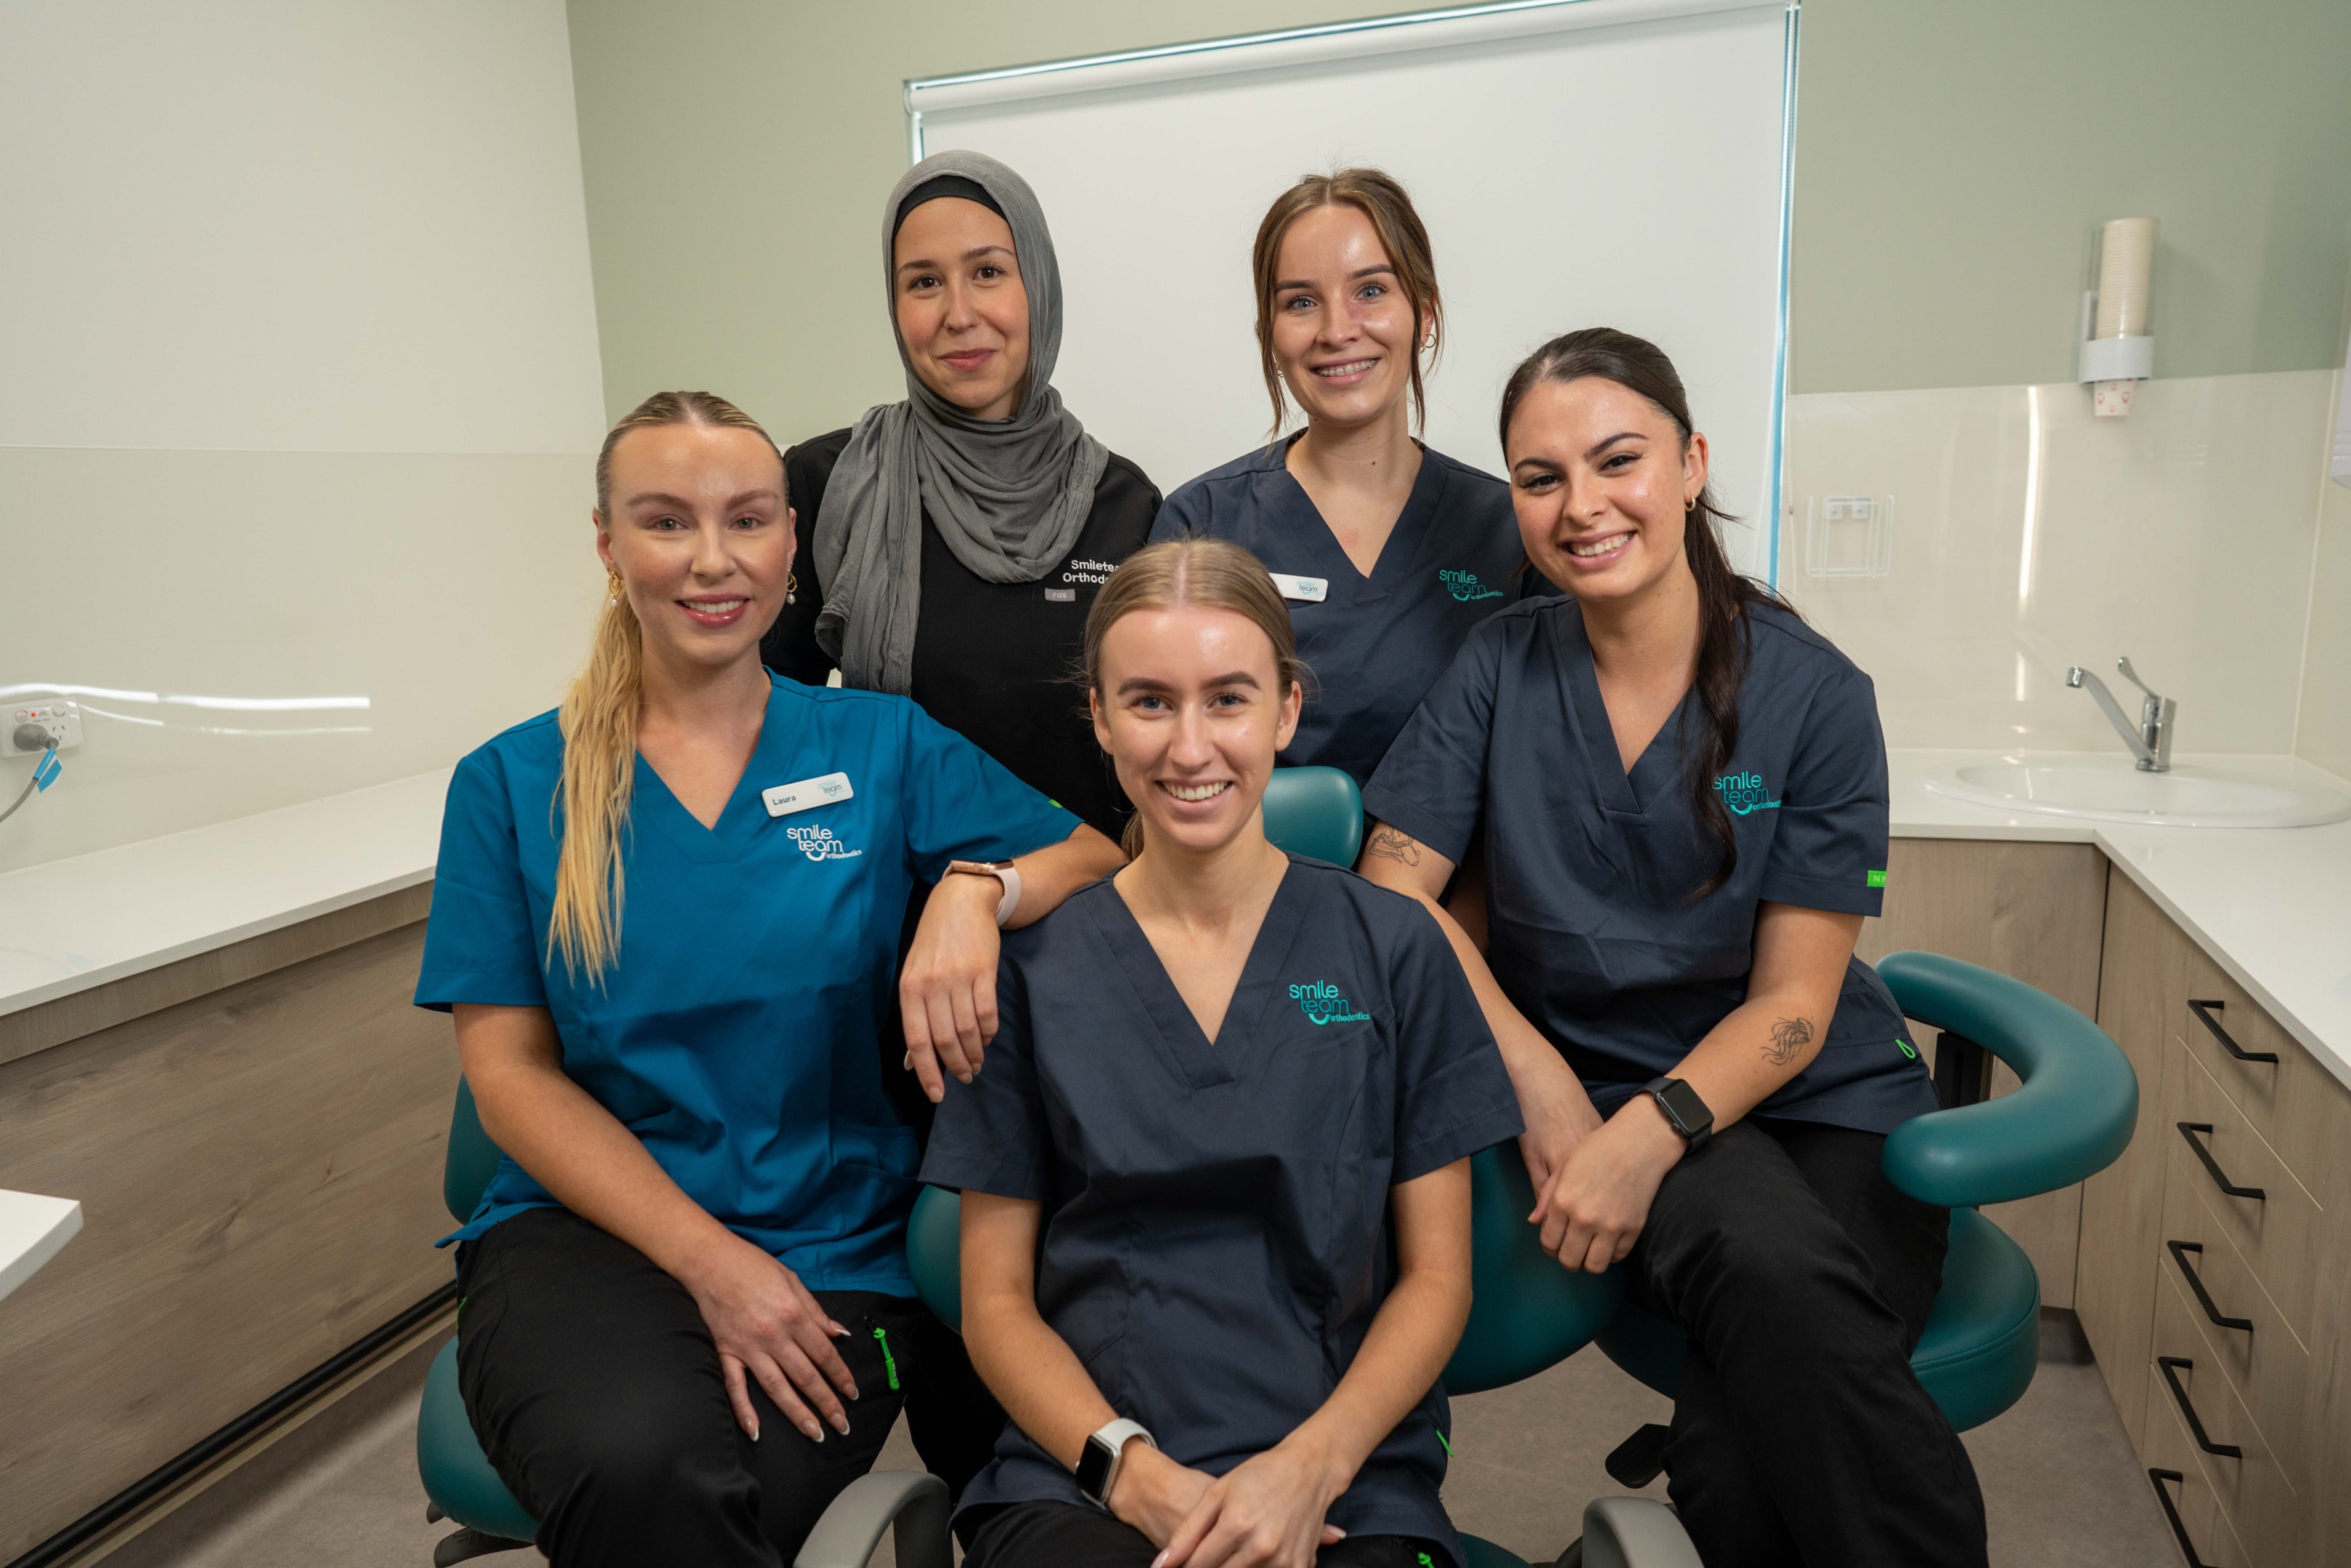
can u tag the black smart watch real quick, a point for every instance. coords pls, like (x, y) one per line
(1684, 1113)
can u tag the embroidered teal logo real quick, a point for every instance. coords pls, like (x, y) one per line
(1744, 792)
(1322, 1004)
(1465, 586)
(819, 844)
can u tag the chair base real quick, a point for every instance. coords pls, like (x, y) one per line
(470, 1542)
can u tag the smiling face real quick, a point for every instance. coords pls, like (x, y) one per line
(699, 533)
(1191, 709)
(962, 310)
(1602, 482)
(1343, 329)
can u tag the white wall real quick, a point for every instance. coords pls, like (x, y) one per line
(298, 383)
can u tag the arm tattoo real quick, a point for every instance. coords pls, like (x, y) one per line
(1788, 1036)
(1393, 844)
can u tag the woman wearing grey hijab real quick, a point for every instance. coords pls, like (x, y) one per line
(952, 543)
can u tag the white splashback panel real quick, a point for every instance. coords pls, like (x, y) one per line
(2027, 535)
(278, 224)
(1556, 154)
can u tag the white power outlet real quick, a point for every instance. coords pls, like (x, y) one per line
(57, 716)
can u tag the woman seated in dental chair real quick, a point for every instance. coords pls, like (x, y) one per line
(1215, 1215)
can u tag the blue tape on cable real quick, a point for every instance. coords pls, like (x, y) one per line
(46, 773)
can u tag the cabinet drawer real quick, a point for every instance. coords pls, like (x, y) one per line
(2279, 1234)
(2249, 1487)
(2264, 1363)
(2194, 1511)
(2297, 1106)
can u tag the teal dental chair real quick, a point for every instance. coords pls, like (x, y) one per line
(2070, 1119)
(1312, 811)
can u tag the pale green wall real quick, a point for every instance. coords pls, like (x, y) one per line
(1952, 159)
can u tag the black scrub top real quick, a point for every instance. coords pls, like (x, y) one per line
(1215, 1238)
(1591, 929)
(993, 660)
(1376, 644)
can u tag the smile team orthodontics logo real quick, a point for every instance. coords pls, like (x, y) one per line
(819, 844)
(1322, 1004)
(1465, 586)
(1744, 792)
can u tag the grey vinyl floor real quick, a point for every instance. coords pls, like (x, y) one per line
(2059, 1481)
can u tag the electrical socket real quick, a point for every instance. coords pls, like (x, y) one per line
(60, 717)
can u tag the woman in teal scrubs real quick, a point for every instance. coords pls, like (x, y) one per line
(666, 918)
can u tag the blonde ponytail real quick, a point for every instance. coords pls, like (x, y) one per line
(599, 721)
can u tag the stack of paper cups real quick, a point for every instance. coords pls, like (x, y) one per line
(2126, 267)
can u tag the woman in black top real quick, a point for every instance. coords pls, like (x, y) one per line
(952, 544)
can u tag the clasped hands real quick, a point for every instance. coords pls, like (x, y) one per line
(1265, 1513)
(1593, 1180)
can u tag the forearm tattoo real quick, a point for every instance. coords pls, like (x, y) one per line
(1390, 844)
(1788, 1036)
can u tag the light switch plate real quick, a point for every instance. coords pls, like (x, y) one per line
(60, 717)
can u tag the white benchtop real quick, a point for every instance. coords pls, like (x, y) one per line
(2272, 906)
(32, 1229)
(72, 924)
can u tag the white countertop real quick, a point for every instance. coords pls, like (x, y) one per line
(32, 1229)
(2272, 905)
(69, 925)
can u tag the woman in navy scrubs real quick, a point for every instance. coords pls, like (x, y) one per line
(1389, 552)
(1216, 1211)
(666, 918)
(1682, 789)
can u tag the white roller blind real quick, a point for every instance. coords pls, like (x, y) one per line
(1614, 163)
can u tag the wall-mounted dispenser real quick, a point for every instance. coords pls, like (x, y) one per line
(2117, 349)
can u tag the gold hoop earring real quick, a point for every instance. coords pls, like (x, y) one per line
(613, 588)
(791, 588)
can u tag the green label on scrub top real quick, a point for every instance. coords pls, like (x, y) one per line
(1878, 879)
(1907, 1049)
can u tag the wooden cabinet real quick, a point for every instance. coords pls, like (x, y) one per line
(2215, 1264)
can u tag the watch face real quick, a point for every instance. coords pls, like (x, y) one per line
(1690, 1111)
(1093, 1469)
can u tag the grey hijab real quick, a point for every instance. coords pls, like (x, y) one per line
(1009, 496)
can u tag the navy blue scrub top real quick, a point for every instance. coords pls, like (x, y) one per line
(1215, 1238)
(737, 1035)
(1591, 930)
(1376, 644)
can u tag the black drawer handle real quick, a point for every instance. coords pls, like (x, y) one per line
(2179, 1251)
(2189, 1130)
(2204, 1012)
(2167, 1365)
(2171, 1512)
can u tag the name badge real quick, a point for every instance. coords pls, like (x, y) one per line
(1308, 590)
(785, 799)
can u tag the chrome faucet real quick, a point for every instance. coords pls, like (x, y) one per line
(2150, 738)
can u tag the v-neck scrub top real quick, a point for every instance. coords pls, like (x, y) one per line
(737, 1035)
(1375, 643)
(1591, 932)
(1215, 1238)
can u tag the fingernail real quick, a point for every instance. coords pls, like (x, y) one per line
(963, 1077)
(755, 1431)
(815, 1432)
(1160, 1560)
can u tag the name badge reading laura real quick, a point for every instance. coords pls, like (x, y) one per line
(785, 799)
(1307, 589)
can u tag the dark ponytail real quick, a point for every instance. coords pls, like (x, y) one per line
(1724, 595)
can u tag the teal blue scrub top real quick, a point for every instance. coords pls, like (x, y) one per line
(738, 1033)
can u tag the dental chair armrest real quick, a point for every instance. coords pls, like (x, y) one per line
(2073, 1117)
(914, 1503)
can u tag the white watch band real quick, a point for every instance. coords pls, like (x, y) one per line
(1115, 1435)
(1009, 876)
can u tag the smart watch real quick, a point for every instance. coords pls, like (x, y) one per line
(1004, 872)
(1684, 1113)
(1098, 1465)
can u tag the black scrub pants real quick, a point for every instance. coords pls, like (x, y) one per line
(1073, 1535)
(1803, 1279)
(595, 1390)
